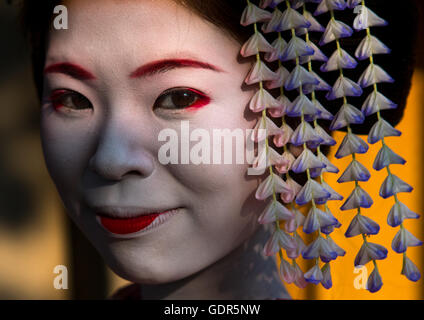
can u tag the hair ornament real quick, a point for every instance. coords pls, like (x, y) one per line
(291, 24)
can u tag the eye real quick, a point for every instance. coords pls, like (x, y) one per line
(70, 100)
(181, 98)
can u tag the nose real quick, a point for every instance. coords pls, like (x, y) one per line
(122, 149)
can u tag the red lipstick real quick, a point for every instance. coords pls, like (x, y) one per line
(123, 226)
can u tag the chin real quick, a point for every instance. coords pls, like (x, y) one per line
(143, 268)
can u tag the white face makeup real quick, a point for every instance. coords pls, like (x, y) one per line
(100, 134)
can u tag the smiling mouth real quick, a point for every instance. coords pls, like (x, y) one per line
(130, 225)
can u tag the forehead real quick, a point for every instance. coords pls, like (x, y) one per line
(132, 31)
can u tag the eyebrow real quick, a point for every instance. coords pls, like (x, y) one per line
(164, 65)
(73, 70)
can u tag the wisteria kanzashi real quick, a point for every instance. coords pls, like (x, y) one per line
(294, 52)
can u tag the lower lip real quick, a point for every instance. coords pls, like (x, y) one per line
(126, 226)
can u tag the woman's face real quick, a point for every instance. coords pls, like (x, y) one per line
(106, 99)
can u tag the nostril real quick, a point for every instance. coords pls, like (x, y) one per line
(132, 173)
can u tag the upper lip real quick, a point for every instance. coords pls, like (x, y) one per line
(127, 212)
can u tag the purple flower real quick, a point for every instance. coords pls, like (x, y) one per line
(340, 59)
(374, 282)
(328, 5)
(347, 114)
(355, 172)
(319, 248)
(335, 30)
(370, 45)
(314, 275)
(279, 239)
(359, 198)
(273, 183)
(367, 18)
(398, 213)
(393, 185)
(275, 211)
(326, 276)
(253, 14)
(386, 157)
(382, 129)
(370, 251)
(296, 48)
(306, 160)
(374, 74)
(316, 219)
(376, 102)
(344, 87)
(311, 190)
(410, 270)
(302, 104)
(333, 194)
(305, 133)
(351, 144)
(404, 239)
(315, 26)
(362, 225)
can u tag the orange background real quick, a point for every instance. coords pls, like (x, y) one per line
(395, 285)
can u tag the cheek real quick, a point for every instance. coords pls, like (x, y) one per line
(66, 150)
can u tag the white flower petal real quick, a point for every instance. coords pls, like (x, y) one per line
(282, 76)
(328, 5)
(302, 105)
(370, 251)
(367, 18)
(252, 14)
(398, 213)
(305, 133)
(359, 198)
(351, 144)
(279, 46)
(306, 160)
(404, 239)
(273, 183)
(296, 48)
(374, 74)
(311, 190)
(260, 72)
(275, 211)
(344, 87)
(315, 26)
(393, 185)
(255, 44)
(340, 59)
(382, 129)
(386, 157)
(335, 30)
(347, 114)
(317, 56)
(376, 102)
(261, 100)
(299, 77)
(355, 172)
(369, 46)
(265, 127)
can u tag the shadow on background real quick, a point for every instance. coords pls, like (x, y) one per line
(35, 233)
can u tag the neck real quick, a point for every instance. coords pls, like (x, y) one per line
(243, 274)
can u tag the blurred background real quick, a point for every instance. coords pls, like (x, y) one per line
(36, 235)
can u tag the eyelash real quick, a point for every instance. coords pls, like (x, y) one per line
(58, 97)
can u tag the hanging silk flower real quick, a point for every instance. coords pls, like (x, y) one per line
(296, 55)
